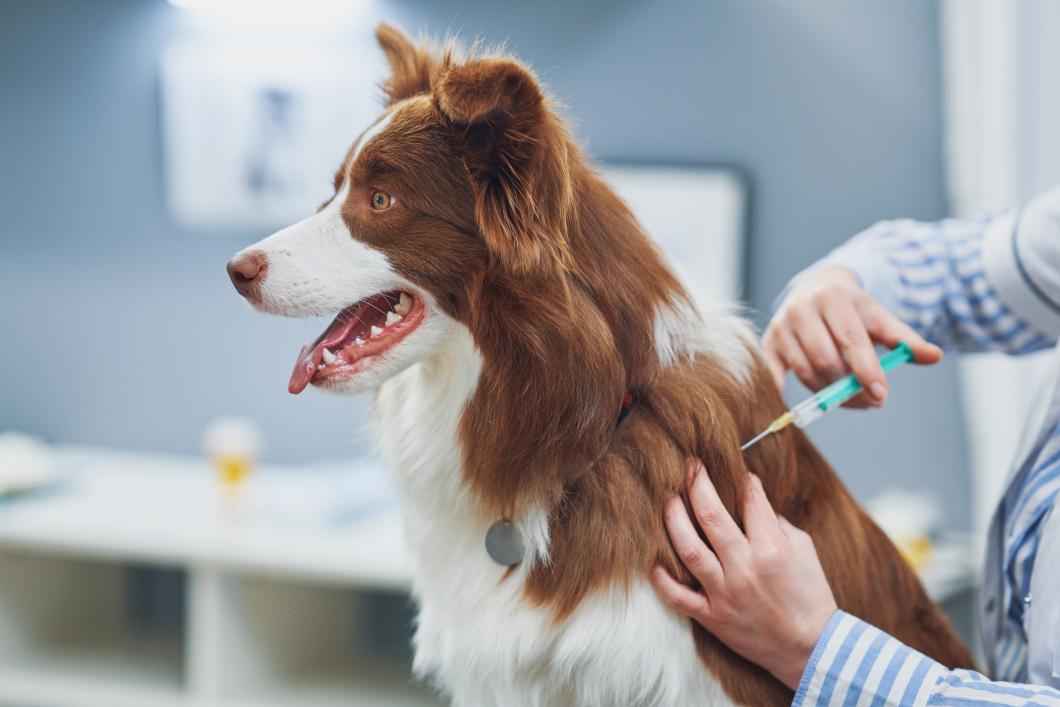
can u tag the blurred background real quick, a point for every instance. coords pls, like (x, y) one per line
(142, 142)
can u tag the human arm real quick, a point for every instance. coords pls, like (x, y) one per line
(991, 283)
(854, 660)
(765, 595)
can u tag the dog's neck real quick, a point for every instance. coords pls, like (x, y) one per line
(420, 411)
(419, 415)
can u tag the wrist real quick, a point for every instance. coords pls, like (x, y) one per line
(835, 274)
(790, 665)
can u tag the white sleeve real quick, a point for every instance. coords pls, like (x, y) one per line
(932, 276)
(1021, 260)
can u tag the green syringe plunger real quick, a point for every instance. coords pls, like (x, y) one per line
(832, 396)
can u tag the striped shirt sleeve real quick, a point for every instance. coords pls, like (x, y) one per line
(934, 277)
(854, 664)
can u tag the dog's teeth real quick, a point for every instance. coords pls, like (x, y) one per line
(359, 341)
(329, 358)
(376, 331)
(392, 318)
(320, 367)
(404, 304)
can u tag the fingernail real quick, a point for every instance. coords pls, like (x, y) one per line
(878, 391)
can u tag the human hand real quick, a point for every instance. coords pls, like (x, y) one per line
(826, 328)
(764, 593)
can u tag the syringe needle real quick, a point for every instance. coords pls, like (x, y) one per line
(757, 438)
(774, 426)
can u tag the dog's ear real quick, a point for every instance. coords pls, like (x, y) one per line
(411, 66)
(517, 158)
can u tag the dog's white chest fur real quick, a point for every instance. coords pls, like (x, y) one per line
(476, 637)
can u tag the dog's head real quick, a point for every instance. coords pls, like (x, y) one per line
(466, 211)
(463, 181)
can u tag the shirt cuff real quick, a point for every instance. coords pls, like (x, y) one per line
(853, 659)
(813, 676)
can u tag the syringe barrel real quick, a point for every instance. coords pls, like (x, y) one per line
(836, 394)
(844, 389)
(806, 412)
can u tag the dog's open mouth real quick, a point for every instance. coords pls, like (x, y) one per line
(361, 332)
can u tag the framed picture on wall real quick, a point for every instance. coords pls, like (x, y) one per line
(252, 135)
(698, 216)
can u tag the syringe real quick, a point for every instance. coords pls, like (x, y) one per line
(831, 396)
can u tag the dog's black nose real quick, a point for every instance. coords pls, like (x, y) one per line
(247, 270)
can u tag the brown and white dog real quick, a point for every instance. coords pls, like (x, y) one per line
(504, 303)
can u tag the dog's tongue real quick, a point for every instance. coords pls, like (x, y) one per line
(312, 354)
(304, 368)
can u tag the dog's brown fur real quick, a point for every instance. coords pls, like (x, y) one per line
(504, 222)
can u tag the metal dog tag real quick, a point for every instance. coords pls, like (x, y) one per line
(504, 543)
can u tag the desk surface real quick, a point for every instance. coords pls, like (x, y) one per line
(314, 523)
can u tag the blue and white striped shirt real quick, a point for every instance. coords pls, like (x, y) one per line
(935, 277)
(856, 664)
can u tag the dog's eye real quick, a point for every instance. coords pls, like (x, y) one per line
(381, 200)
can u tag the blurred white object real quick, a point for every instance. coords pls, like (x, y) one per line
(947, 563)
(904, 515)
(233, 436)
(697, 216)
(296, 15)
(25, 463)
(911, 521)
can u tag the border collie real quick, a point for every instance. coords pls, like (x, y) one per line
(540, 377)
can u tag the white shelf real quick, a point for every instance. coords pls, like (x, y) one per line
(339, 686)
(268, 588)
(115, 671)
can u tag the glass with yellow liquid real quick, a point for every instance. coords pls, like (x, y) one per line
(233, 469)
(233, 446)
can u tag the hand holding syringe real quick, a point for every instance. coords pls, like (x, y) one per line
(832, 396)
(827, 324)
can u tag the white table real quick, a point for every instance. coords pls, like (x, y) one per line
(271, 586)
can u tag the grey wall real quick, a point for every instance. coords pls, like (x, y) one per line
(120, 329)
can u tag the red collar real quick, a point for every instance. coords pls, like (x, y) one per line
(628, 399)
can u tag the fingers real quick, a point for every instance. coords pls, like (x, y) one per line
(889, 330)
(850, 334)
(788, 350)
(777, 369)
(718, 526)
(817, 343)
(861, 401)
(679, 597)
(828, 325)
(759, 518)
(690, 548)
